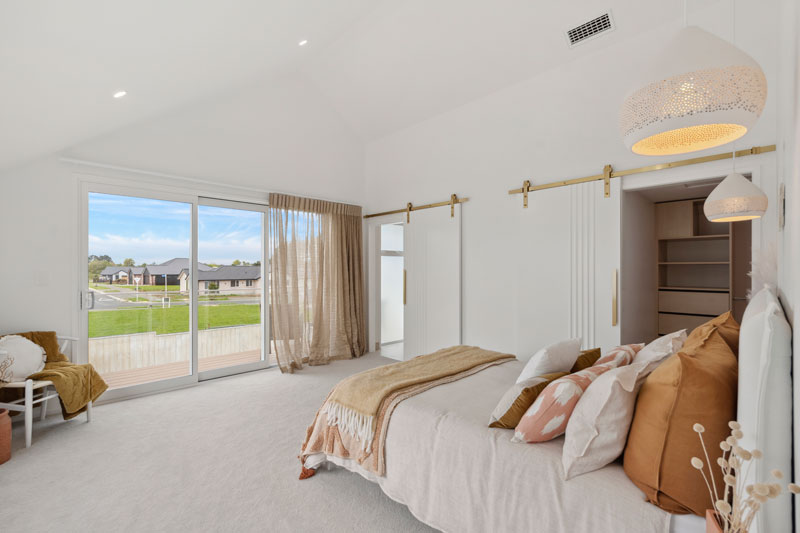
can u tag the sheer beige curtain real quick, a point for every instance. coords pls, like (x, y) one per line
(316, 281)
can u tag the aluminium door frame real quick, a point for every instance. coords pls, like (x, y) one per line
(265, 287)
(91, 184)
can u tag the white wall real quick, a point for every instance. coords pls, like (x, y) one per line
(559, 124)
(279, 135)
(38, 248)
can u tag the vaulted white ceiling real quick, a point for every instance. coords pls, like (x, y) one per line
(60, 62)
(382, 65)
(414, 59)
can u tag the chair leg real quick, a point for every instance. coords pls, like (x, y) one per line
(44, 405)
(28, 412)
(88, 412)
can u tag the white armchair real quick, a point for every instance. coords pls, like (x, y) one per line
(38, 392)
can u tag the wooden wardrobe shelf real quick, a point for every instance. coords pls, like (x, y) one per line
(695, 289)
(699, 238)
(667, 263)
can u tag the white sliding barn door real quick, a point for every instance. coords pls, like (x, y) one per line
(432, 248)
(568, 252)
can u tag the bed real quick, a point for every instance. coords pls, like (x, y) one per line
(456, 474)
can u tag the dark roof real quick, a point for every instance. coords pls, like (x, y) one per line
(230, 273)
(111, 270)
(138, 270)
(173, 267)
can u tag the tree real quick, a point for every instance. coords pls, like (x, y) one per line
(143, 265)
(101, 258)
(96, 266)
(257, 264)
(129, 262)
(236, 263)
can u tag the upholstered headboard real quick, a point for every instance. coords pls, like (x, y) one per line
(765, 401)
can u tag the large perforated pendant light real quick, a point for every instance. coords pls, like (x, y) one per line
(702, 92)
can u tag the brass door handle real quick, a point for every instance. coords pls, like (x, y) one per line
(614, 318)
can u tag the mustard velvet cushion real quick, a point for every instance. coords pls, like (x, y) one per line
(697, 385)
(586, 359)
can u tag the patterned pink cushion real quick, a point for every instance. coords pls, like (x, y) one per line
(547, 418)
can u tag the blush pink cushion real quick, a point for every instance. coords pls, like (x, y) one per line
(547, 418)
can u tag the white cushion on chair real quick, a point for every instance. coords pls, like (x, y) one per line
(27, 357)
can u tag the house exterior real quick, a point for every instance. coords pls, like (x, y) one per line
(115, 274)
(137, 275)
(150, 274)
(172, 270)
(226, 279)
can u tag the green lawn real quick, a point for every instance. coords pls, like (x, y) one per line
(171, 320)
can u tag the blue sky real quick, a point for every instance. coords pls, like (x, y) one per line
(153, 231)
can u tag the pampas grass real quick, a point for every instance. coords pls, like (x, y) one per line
(738, 503)
(765, 268)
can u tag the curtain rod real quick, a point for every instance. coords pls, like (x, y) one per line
(609, 172)
(454, 199)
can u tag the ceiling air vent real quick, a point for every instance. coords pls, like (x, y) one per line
(591, 29)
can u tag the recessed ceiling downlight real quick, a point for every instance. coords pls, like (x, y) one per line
(303, 42)
(120, 94)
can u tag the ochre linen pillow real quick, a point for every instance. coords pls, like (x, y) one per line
(586, 359)
(518, 398)
(547, 418)
(598, 428)
(696, 385)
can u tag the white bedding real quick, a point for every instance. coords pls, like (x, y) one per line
(456, 474)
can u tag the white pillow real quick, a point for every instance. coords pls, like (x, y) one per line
(655, 352)
(598, 428)
(557, 357)
(28, 357)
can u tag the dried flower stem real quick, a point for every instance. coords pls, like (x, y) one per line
(715, 496)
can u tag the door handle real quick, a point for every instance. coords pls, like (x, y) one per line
(87, 300)
(614, 317)
(404, 286)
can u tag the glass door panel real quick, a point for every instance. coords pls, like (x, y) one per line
(230, 287)
(392, 287)
(139, 319)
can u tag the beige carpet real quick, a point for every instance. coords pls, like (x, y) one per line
(220, 456)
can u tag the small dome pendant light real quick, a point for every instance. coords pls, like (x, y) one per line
(736, 198)
(706, 93)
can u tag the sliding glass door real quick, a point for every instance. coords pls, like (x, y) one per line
(231, 287)
(174, 288)
(139, 321)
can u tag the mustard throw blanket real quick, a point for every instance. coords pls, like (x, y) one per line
(77, 385)
(353, 420)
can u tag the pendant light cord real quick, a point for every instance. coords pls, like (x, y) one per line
(734, 44)
(685, 13)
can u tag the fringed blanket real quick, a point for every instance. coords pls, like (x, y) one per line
(352, 422)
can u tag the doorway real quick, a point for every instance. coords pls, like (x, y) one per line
(392, 289)
(679, 269)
